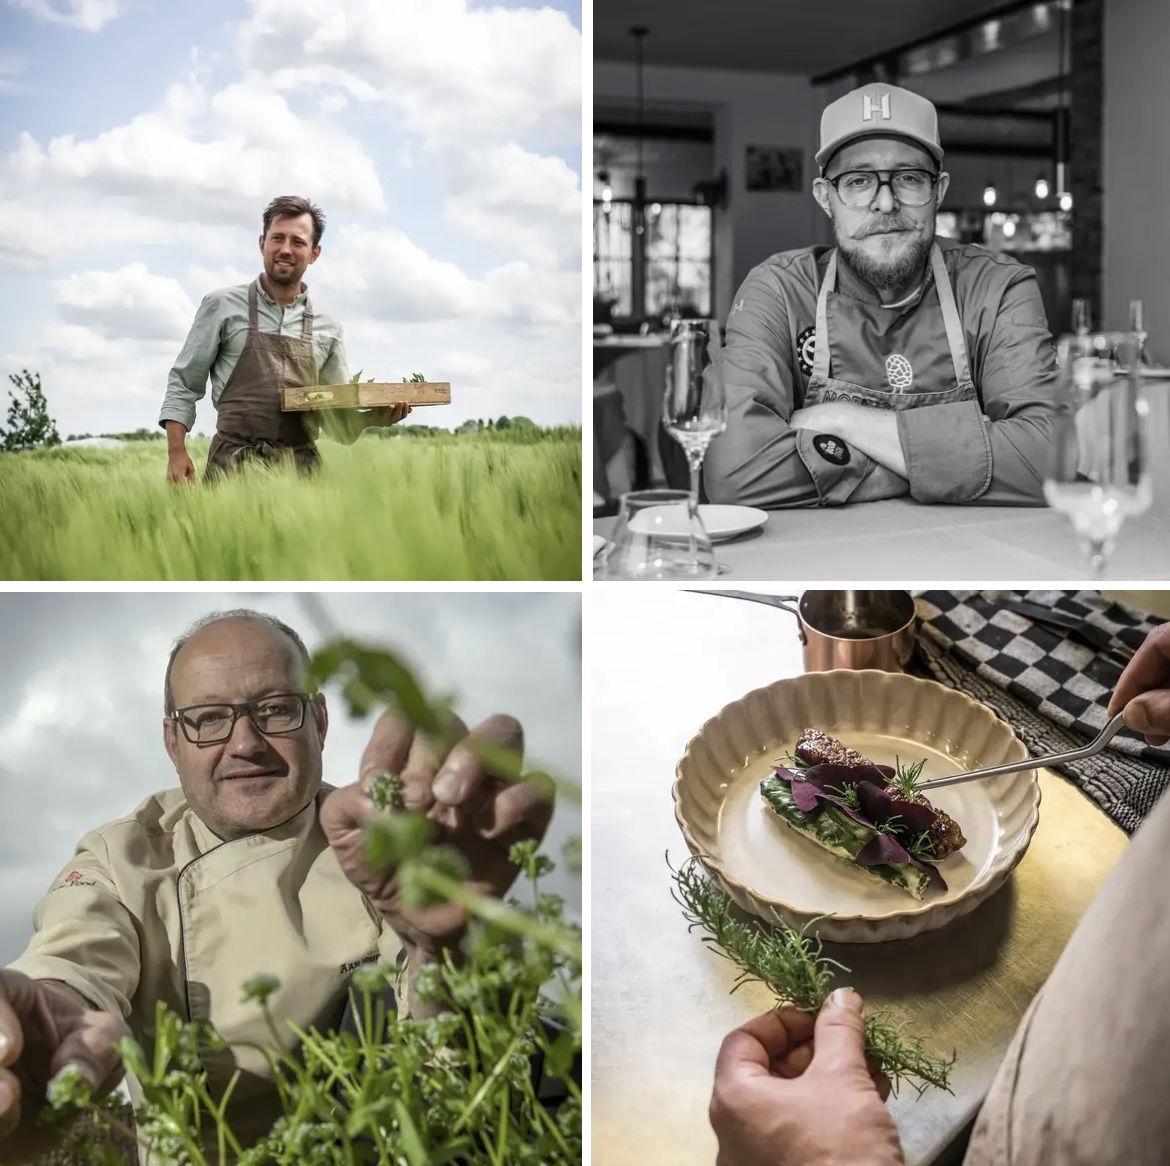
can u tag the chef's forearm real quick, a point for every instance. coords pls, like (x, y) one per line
(875, 433)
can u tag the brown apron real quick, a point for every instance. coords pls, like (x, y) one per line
(250, 424)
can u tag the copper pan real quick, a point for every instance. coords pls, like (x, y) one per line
(848, 629)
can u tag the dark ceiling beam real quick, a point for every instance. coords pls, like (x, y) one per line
(1049, 87)
(986, 111)
(657, 132)
(879, 60)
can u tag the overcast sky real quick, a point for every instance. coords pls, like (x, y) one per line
(81, 704)
(140, 141)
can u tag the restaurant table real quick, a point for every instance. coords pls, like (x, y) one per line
(899, 538)
(663, 662)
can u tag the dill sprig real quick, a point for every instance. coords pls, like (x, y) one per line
(849, 796)
(792, 966)
(905, 778)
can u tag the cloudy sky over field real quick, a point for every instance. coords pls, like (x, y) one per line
(81, 704)
(141, 139)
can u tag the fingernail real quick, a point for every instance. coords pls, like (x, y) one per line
(448, 787)
(1137, 717)
(846, 998)
(3, 1047)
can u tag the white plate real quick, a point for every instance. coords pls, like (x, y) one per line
(721, 522)
(598, 543)
(775, 873)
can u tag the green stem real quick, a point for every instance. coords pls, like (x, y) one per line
(495, 911)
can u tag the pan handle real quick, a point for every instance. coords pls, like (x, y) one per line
(781, 601)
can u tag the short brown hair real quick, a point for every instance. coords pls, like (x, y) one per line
(292, 206)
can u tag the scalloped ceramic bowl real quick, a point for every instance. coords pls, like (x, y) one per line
(773, 872)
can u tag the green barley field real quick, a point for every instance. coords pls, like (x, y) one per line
(469, 506)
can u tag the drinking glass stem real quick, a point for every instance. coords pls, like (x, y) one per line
(695, 461)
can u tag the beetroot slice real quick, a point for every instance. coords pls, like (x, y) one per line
(825, 783)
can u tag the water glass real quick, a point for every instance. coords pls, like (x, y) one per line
(659, 535)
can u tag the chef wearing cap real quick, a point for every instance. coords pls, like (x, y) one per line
(895, 362)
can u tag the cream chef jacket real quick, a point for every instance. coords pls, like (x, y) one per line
(154, 906)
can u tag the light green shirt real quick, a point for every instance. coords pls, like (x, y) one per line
(217, 338)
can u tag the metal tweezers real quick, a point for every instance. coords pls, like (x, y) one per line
(1112, 728)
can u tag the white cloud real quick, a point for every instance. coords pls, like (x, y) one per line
(459, 74)
(518, 201)
(89, 15)
(130, 303)
(160, 166)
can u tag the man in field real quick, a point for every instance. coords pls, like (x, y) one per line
(253, 865)
(253, 340)
(895, 362)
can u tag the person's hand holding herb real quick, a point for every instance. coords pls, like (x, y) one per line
(796, 1090)
(470, 807)
(44, 1027)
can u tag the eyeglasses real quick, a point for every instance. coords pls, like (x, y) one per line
(859, 188)
(208, 724)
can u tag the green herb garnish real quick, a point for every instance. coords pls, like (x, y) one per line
(791, 965)
(905, 779)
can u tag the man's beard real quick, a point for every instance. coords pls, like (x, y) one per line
(891, 272)
(283, 275)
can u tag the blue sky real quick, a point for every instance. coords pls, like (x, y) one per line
(141, 139)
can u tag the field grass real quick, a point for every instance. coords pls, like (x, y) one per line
(474, 506)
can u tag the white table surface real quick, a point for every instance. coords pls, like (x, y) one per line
(662, 662)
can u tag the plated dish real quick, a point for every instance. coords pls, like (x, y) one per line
(753, 850)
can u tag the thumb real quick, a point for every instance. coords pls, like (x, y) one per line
(839, 1039)
(1149, 713)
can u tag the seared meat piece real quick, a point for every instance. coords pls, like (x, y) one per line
(817, 748)
(945, 833)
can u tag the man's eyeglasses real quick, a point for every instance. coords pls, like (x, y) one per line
(859, 188)
(208, 724)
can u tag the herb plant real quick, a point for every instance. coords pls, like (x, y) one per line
(790, 964)
(458, 1089)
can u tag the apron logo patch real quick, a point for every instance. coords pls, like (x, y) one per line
(806, 350)
(831, 448)
(898, 372)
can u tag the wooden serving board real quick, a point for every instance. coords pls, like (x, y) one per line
(365, 396)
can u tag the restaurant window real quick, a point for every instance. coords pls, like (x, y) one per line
(677, 246)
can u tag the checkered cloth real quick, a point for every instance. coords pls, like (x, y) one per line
(1051, 689)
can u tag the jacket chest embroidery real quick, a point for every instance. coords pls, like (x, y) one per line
(345, 969)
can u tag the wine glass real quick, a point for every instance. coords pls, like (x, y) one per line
(1099, 471)
(694, 409)
(1137, 327)
(659, 535)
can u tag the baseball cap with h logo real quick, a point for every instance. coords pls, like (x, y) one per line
(878, 111)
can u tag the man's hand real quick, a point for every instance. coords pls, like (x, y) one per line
(791, 1091)
(471, 809)
(1144, 688)
(385, 415)
(871, 430)
(180, 469)
(44, 1026)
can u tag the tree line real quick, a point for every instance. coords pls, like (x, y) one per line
(29, 424)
